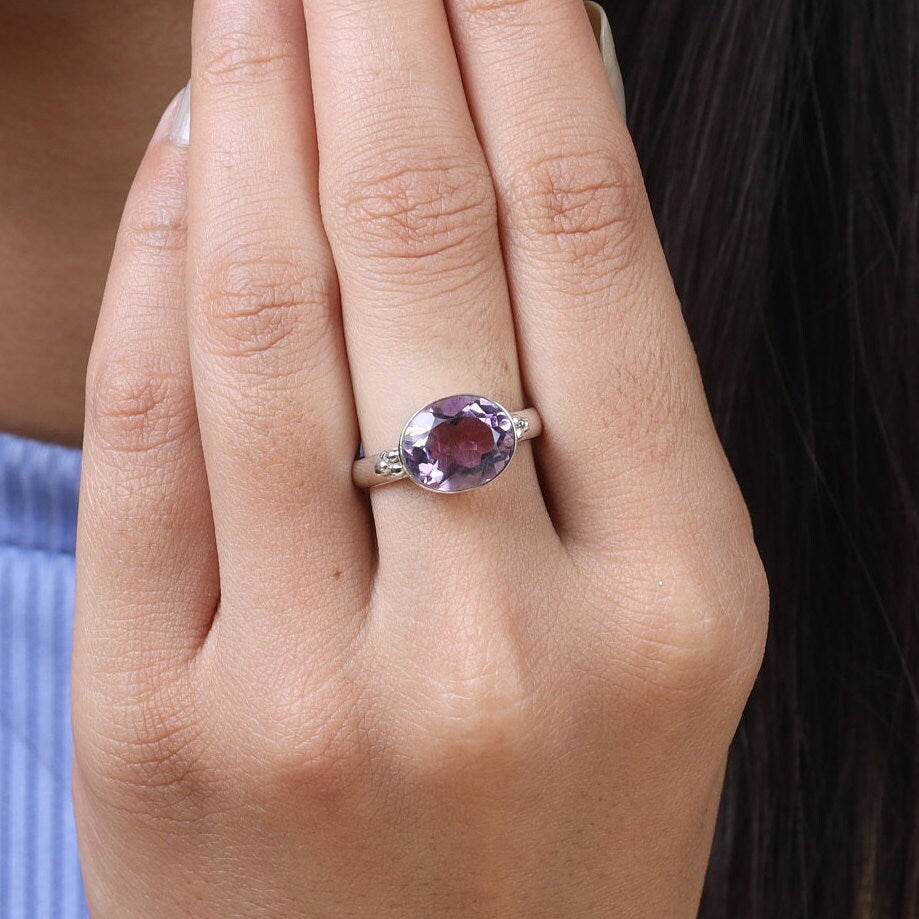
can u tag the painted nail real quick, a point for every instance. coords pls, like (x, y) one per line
(181, 120)
(604, 35)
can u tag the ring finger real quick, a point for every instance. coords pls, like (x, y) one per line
(409, 209)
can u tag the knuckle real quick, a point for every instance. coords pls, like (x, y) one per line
(698, 655)
(243, 57)
(427, 206)
(477, 708)
(746, 603)
(324, 768)
(710, 642)
(311, 744)
(138, 404)
(144, 751)
(156, 231)
(249, 306)
(157, 222)
(582, 207)
(494, 10)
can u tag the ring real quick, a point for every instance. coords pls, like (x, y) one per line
(452, 445)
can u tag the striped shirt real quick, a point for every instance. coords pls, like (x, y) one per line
(39, 868)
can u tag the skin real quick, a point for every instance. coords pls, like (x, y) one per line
(81, 84)
(289, 700)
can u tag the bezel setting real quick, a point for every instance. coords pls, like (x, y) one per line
(459, 443)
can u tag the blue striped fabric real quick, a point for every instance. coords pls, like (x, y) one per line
(39, 870)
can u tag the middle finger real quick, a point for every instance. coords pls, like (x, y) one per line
(268, 358)
(409, 209)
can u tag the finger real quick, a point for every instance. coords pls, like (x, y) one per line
(271, 380)
(409, 210)
(603, 34)
(147, 571)
(607, 357)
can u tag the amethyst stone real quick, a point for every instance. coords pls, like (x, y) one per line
(458, 443)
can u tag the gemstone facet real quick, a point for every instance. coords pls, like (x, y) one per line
(458, 443)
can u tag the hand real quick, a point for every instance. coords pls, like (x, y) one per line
(292, 701)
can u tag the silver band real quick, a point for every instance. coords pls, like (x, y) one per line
(386, 467)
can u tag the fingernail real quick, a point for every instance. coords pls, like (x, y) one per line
(604, 35)
(180, 134)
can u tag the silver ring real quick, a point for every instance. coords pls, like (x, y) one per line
(452, 445)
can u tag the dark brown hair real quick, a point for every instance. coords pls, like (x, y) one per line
(779, 141)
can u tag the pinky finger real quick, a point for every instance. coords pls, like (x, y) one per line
(147, 582)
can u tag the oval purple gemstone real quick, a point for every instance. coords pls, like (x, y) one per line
(458, 443)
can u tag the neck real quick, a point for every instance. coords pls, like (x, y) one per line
(82, 83)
